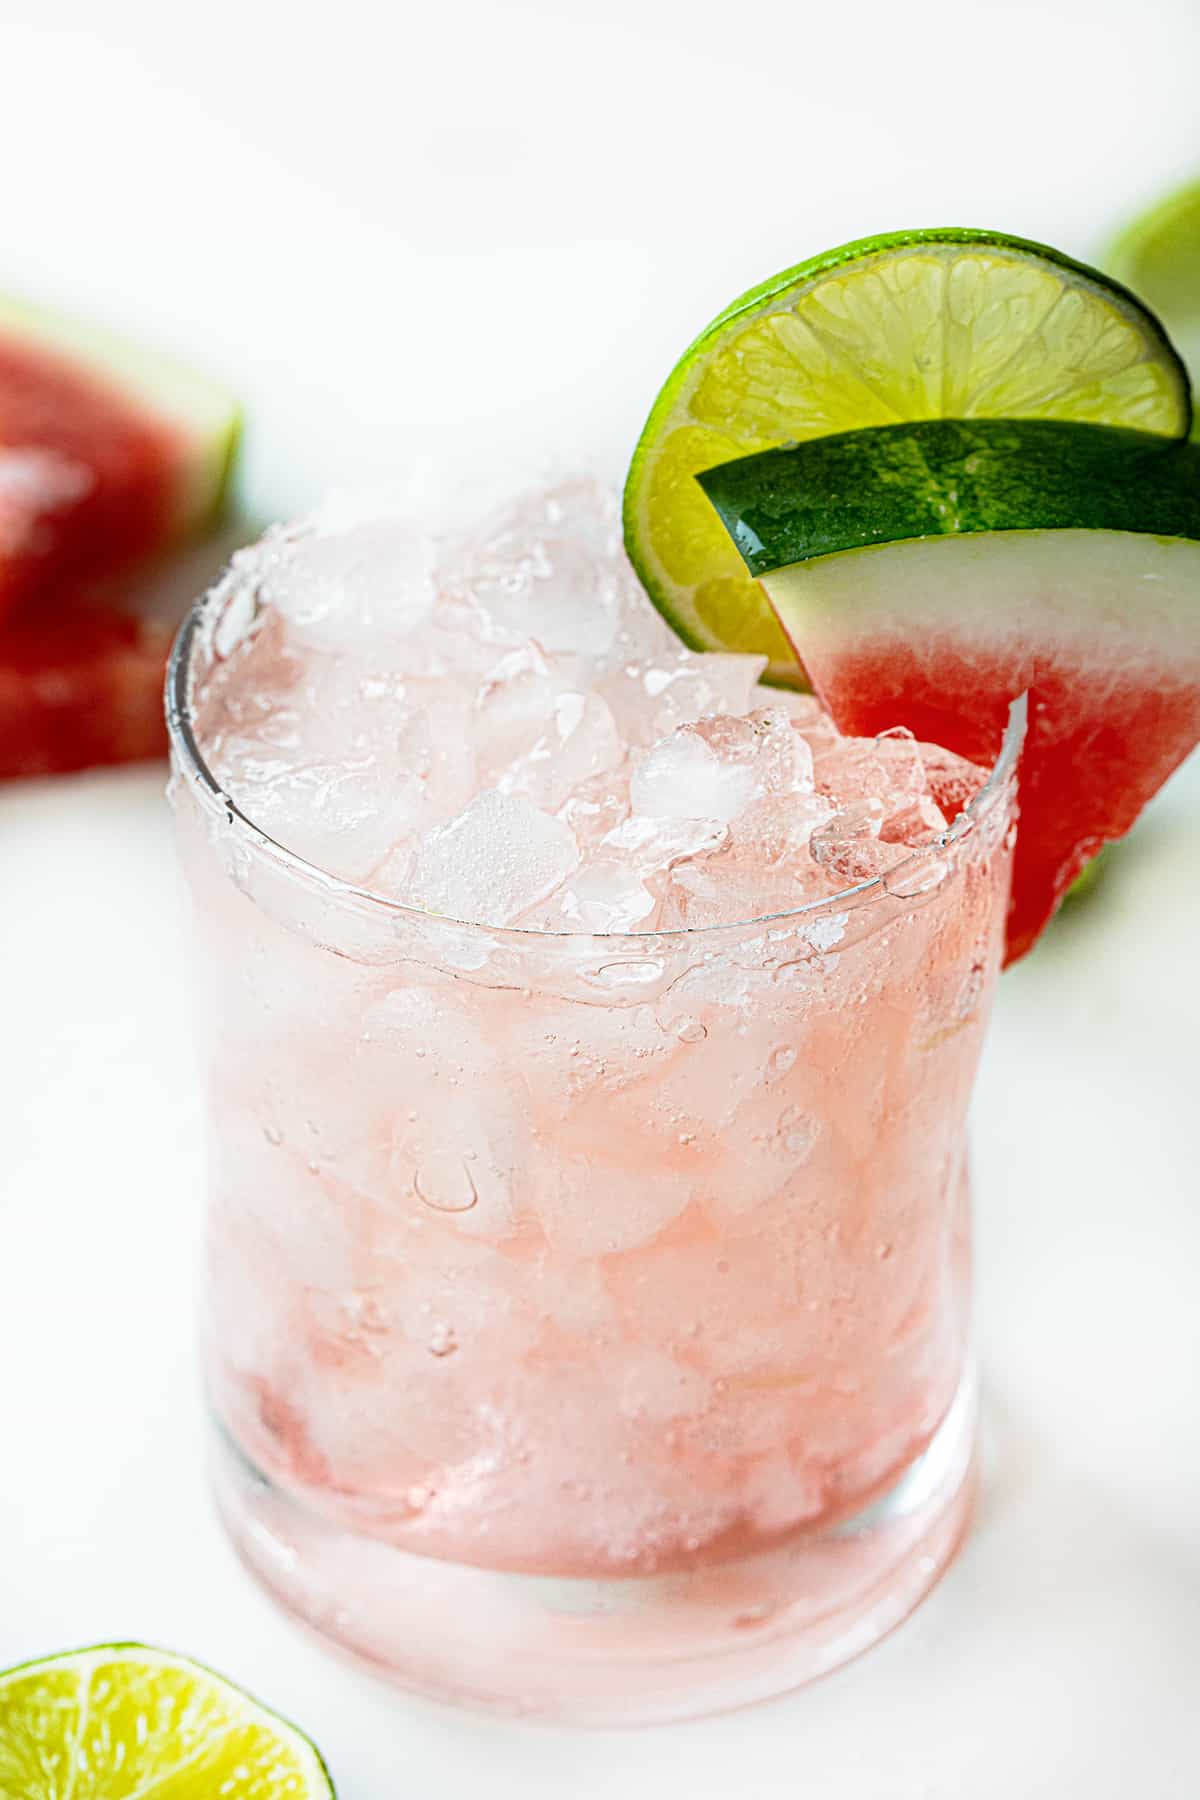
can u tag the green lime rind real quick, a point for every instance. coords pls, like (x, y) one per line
(947, 477)
(155, 1722)
(946, 322)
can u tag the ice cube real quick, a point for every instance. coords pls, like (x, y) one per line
(653, 845)
(344, 816)
(888, 768)
(782, 758)
(580, 741)
(603, 896)
(777, 829)
(727, 891)
(436, 743)
(596, 807)
(914, 822)
(684, 777)
(514, 703)
(352, 589)
(537, 571)
(953, 781)
(847, 847)
(494, 861)
(808, 717)
(650, 698)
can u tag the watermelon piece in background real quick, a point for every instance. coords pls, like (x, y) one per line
(81, 685)
(110, 455)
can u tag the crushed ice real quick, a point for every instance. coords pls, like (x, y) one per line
(498, 727)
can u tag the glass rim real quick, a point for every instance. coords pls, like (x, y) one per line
(193, 764)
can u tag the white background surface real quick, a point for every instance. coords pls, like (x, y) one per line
(488, 230)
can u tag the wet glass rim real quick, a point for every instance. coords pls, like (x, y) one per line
(193, 766)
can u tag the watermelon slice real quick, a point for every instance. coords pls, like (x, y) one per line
(109, 454)
(81, 685)
(928, 573)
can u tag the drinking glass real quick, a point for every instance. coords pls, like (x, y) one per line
(586, 1317)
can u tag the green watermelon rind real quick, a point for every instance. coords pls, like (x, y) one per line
(947, 478)
(168, 390)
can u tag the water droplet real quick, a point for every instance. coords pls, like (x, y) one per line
(689, 1030)
(272, 1134)
(687, 1137)
(721, 1266)
(445, 1183)
(883, 1252)
(781, 1060)
(418, 1496)
(442, 1341)
(753, 1615)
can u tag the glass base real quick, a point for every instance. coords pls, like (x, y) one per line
(612, 1652)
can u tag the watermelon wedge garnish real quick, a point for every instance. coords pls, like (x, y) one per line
(928, 573)
(109, 455)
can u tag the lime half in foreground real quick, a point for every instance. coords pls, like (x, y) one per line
(123, 1722)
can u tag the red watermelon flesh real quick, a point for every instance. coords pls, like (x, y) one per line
(81, 685)
(88, 483)
(1102, 629)
(109, 454)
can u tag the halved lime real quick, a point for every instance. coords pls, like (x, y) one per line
(124, 1722)
(913, 325)
(1158, 256)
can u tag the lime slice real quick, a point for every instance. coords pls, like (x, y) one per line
(123, 1722)
(914, 325)
(1158, 256)
(930, 572)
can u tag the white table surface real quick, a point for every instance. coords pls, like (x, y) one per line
(486, 230)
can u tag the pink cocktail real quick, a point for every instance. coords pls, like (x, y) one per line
(590, 1034)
